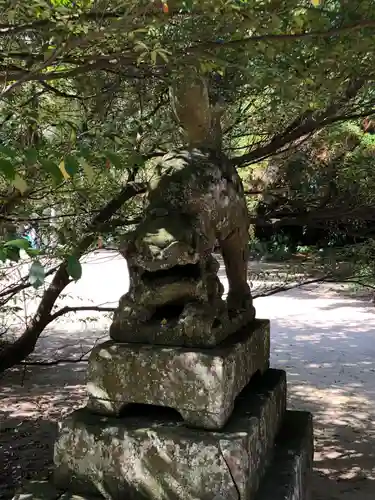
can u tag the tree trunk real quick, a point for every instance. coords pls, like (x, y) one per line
(25, 345)
(199, 120)
(15, 353)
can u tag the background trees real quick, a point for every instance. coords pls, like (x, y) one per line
(85, 107)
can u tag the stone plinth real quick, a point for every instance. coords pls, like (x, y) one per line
(289, 474)
(140, 457)
(201, 384)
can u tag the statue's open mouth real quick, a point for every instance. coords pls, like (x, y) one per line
(177, 281)
(172, 274)
(168, 312)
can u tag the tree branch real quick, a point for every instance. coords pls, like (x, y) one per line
(370, 23)
(291, 286)
(67, 309)
(11, 291)
(28, 76)
(66, 95)
(25, 344)
(303, 126)
(126, 57)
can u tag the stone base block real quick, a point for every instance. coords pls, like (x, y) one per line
(146, 457)
(288, 477)
(201, 384)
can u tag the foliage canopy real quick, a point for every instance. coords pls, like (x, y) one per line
(85, 106)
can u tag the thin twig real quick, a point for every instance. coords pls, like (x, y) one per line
(67, 309)
(292, 286)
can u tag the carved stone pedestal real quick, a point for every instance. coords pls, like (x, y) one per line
(157, 456)
(135, 440)
(201, 384)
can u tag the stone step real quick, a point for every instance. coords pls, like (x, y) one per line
(156, 456)
(288, 476)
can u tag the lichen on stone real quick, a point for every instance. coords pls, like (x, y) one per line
(175, 295)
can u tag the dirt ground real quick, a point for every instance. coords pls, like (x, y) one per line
(320, 336)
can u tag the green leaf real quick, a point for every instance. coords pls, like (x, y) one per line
(140, 46)
(36, 274)
(7, 151)
(114, 159)
(52, 168)
(20, 243)
(63, 170)
(71, 164)
(163, 54)
(13, 254)
(74, 267)
(31, 156)
(7, 168)
(154, 56)
(19, 183)
(3, 255)
(136, 159)
(89, 172)
(32, 252)
(85, 152)
(73, 136)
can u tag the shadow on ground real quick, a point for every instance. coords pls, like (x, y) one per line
(329, 356)
(32, 402)
(324, 341)
(33, 399)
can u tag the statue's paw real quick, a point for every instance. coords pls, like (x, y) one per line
(239, 302)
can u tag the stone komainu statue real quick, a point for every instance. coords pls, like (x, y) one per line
(175, 295)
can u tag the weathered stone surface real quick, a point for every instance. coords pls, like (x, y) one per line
(196, 324)
(181, 305)
(145, 457)
(45, 490)
(200, 384)
(175, 296)
(288, 476)
(38, 490)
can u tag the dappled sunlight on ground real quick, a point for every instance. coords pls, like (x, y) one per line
(324, 340)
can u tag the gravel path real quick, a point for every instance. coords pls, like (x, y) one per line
(323, 339)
